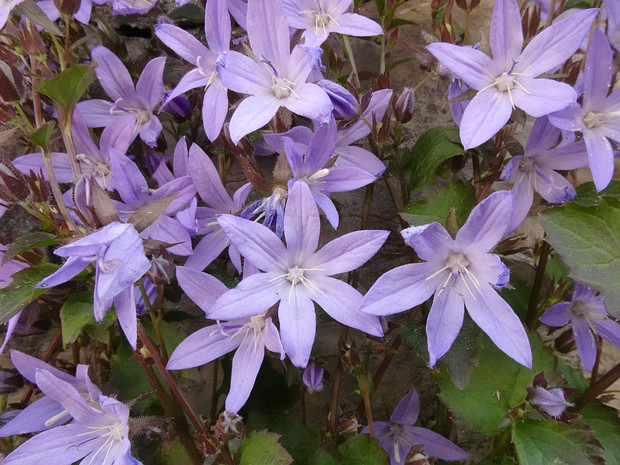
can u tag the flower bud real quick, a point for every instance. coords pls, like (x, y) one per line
(313, 377)
(11, 82)
(403, 109)
(179, 107)
(345, 104)
(67, 7)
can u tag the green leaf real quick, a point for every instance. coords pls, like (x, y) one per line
(552, 442)
(421, 161)
(77, 314)
(325, 458)
(438, 204)
(588, 196)
(588, 240)
(572, 378)
(127, 376)
(41, 136)
(29, 241)
(362, 450)
(188, 13)
(22, 289)
(497, 384)
(67, 88)
(263, 448)
(606, 425)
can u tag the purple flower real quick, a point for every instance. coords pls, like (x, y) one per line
(611, 12)
(98, 432)
(509, 79)
(46, 412)
(132, 106)
(249, 336)
(217, 31)
(319, 18)
(269, 210)
(550, 402)
(211, 190)
(598, 116)
(297, 274)
(345, 104)
(461, 273)
(588, 316)
(277, 80)
(398, 436)
(119, 260)
(313, 378)
(536, 169)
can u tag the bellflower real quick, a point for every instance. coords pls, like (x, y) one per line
(132, 106)
(535, 170)
(46, 412)
(217, 31)
(277, 80)
(98, 434)
(119, 260)
(269, 209)
(249, 336)
(598, 116)
(508, 80)
(461, 273)
(318, 18)
(588, 316)
(398, 436)
(297, 274)
(211, 190)
(551, 402)
(313, 378)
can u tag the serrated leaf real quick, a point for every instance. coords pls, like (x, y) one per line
(148, 214)
(31, 10)
(325, 458)
(22, 289)
(362, 450)
(68, 87)
(606, 425)
(263, 448)
(438, 204)
(497, 384)
(421, 161)
(588, 240)
(188, 12)
(77, 314)
(588, 196)
(29, 241)
(551, 442)
(41, 136)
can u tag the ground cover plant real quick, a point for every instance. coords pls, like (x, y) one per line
(234, 250)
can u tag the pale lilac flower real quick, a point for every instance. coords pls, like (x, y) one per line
(119, 260)
(82, 14)
(589, 318)
(217, 31)
(277, 80)
(318, 18)
(127, 7)
(98, 433)
(6, 271)
(46, 412)
(598, 116)
(239, 11)
(5, 10)
(611, 12)
(248, 336)
(535, 170)
(551, 402)
(203, 219)
(313, 378)
(269, 210)
(461, 273)
(398, 436)
(297, 274)
(509, 79)
(345, 104)
(131, 106)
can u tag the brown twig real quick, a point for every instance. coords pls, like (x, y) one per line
(598, 388)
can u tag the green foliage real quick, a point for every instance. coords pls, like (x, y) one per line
(588, 240)
(438, 204)
(421, 161)
(41, 136)
(127, 376)
(497, 384)
(263, 448)
(28, 241)
(553, 442)
(67, 88)
(77, 314)
(22, 289)
(606, 425)
(358, 450)
(588, 196)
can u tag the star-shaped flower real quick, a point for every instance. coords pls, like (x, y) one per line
(509, 80)
(461, 273)
(297, 274)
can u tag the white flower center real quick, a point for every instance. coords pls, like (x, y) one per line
(593, 119)
(295, 275)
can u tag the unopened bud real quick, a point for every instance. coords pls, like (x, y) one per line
(313, 378)
(11, 83)
(345, 104)
(467, 5)
(179, 107)
(31, 38)
(68, 7)
(403, 109)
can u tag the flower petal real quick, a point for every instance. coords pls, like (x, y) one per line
(245, 366)
(297, 326)
(543, 96)
(407, 410)
(485, 115)
(252, 114)
(182, 42)
(506, 34)
(214, 109)
(302, 226)
(349, 252)
(207, 181)
(202, 288)
(112, 75)
(430, 241)
(150, 85)
(444, 322)
(253, 295)
(601, 156)
(268, 32)
(437, 446)
(466, 63)
(201, 347)
(217, 25)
